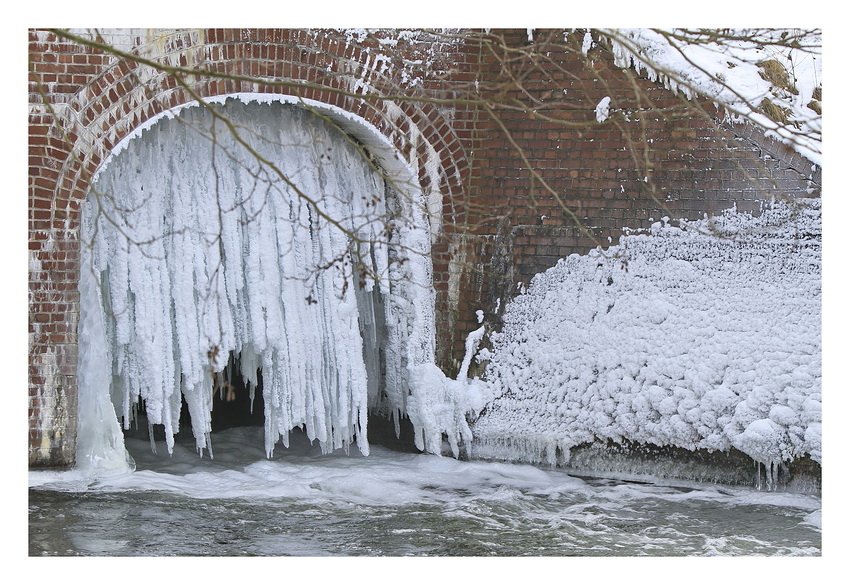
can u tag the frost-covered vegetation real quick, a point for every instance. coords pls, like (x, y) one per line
(705, 336)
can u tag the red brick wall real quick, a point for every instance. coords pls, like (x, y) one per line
(564, 183)
(514, 188)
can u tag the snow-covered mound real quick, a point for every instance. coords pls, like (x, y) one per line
(705, 336)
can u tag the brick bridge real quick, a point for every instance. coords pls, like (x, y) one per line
(500, 127)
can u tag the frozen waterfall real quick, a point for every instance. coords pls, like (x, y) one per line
(269, 235)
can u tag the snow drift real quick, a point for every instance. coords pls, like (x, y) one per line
(705, 336)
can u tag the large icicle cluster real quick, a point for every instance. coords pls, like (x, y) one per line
(706, 337)
(318, 275)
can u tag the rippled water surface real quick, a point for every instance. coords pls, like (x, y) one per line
(396, 504)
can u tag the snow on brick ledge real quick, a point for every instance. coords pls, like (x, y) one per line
(704, 336)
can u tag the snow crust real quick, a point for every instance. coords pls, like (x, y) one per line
(705, 336)
(320, 277)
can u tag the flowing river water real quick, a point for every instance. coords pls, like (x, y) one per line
(303, 503)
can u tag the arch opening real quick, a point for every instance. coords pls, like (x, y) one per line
(267, 237)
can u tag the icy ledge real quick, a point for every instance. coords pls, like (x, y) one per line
(703, 337)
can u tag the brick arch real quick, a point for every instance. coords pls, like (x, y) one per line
(341, 76)
(372, 140)
(84, 103)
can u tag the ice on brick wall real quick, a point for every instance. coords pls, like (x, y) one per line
(100, 443)
(320, 278)
(706, 337)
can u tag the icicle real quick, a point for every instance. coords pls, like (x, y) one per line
(100, 444)
(473, 339)
(150, 436)
(767, 475)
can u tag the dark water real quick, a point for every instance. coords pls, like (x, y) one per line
(602, 518)
(304, 503)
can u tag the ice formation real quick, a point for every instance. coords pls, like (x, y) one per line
(100, 443)
(602, 109)
(440, 407)
(705, 336)
(318, 276)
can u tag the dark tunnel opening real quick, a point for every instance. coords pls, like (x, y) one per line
(233, 406)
